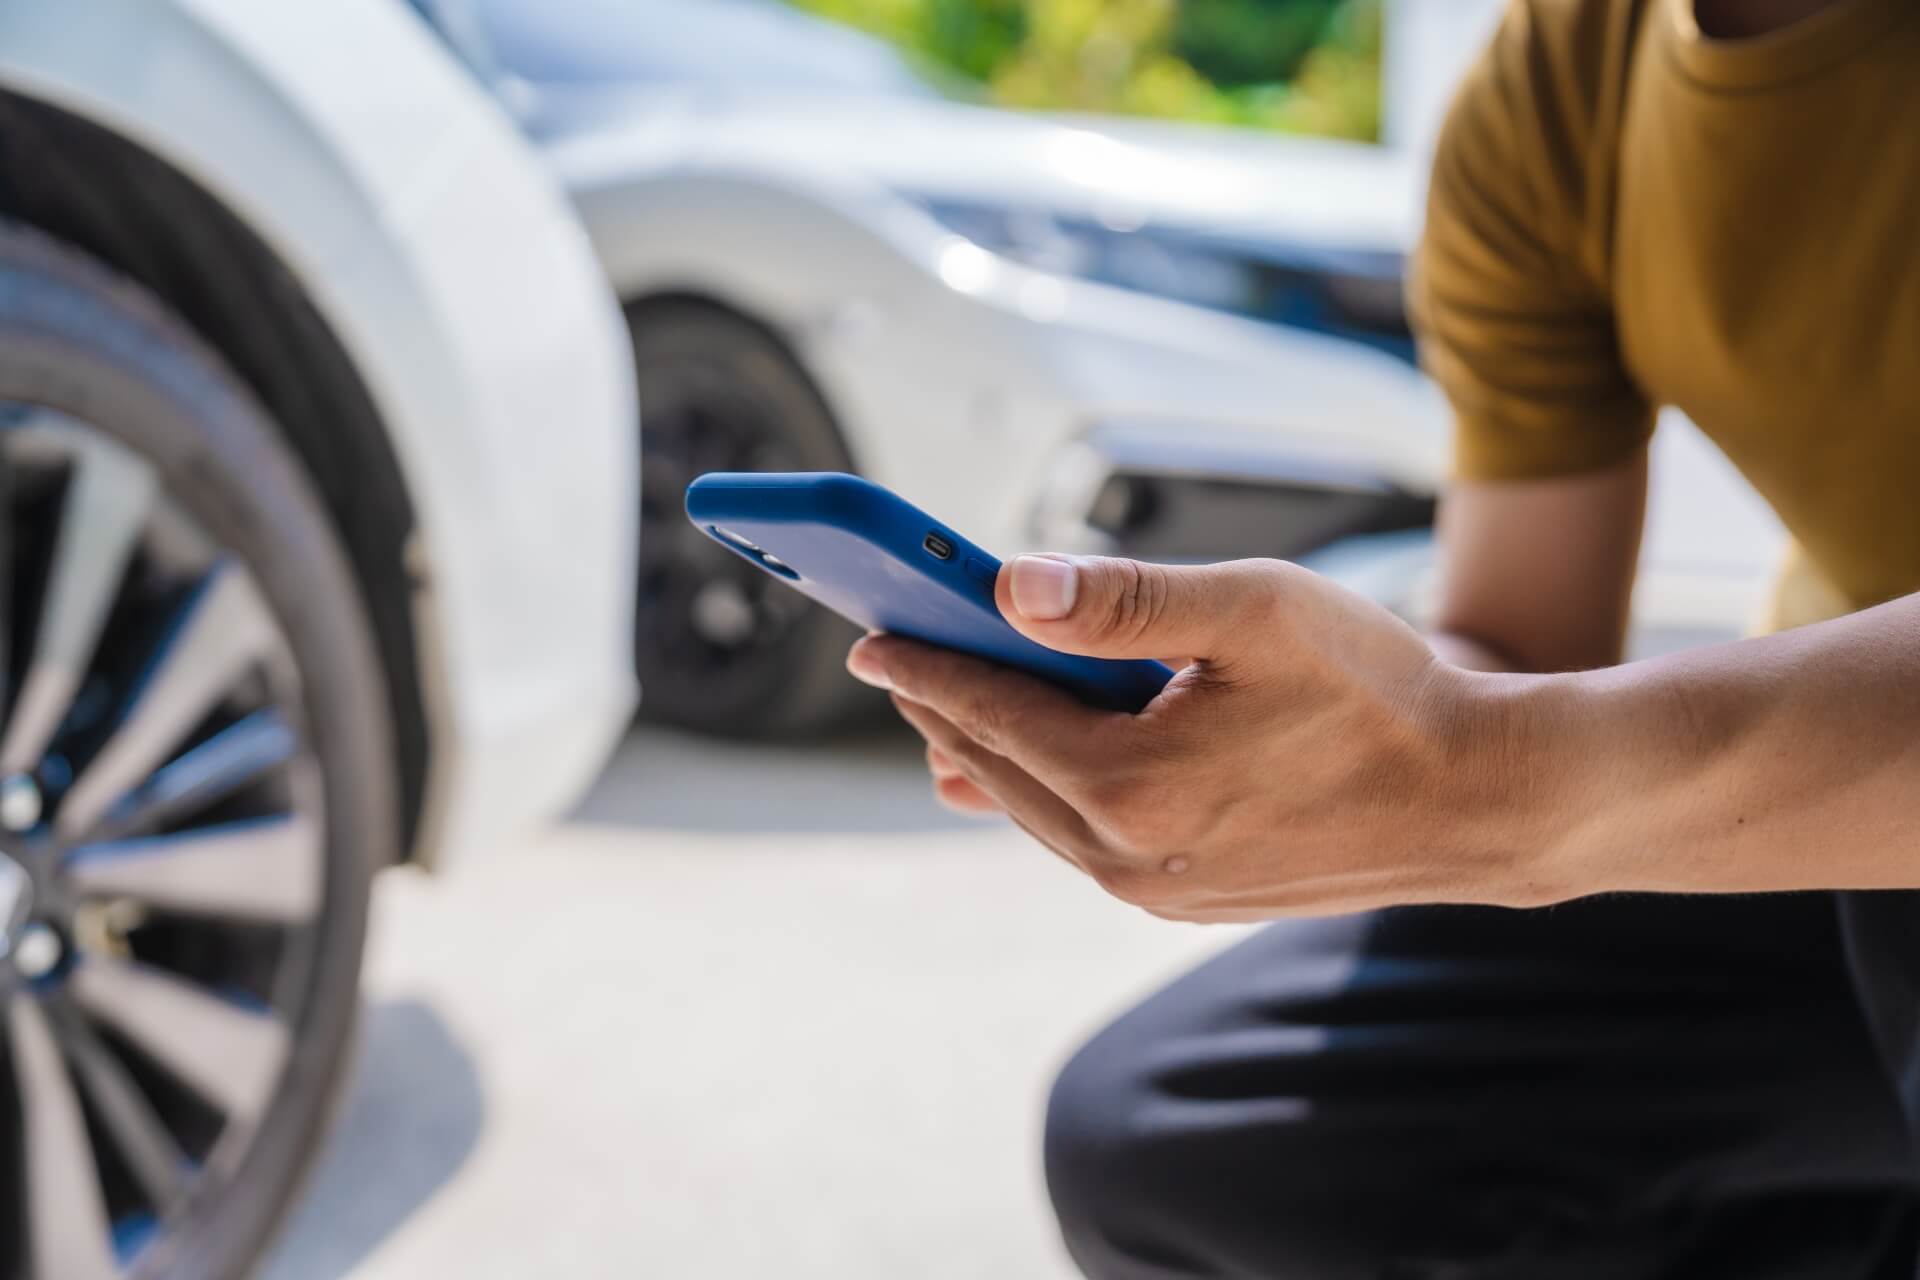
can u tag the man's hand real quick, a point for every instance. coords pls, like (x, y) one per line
(1311, 755)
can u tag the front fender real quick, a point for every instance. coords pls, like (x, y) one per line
(449, 268)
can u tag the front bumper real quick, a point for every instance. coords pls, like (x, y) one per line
(1185, 495)
(1060, 414)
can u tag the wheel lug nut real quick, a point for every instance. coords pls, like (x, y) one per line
(19, 802)
(37, 950)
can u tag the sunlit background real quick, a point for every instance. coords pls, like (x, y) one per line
(1298, 66)
(1106, 275)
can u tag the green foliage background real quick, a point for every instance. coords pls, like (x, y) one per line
(1300, 66)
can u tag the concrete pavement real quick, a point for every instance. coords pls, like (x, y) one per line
(753, 1012)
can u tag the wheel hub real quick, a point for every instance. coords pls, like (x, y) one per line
(722, 613)
(20, 803)
(704, 613)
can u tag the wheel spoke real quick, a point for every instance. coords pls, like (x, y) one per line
(69, 1235)
(261, 869)
(105, 507)
(225, 628)
(142, 1137)
(163, 779)
(239, 754)
(227, 1053)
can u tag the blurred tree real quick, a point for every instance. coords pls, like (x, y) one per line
(1300, 66)
(897, 20)
(1083, 54)
(1336, 90)
(972, 37)
(1246, 42)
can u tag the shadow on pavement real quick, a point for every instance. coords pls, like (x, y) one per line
(875, 781)
(411, 1117)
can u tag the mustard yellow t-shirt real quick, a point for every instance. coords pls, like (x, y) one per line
(1626, 213)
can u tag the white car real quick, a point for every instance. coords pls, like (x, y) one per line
(317, 480)
(1176, 342)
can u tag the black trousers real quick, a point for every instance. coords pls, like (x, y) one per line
(1628, 1088)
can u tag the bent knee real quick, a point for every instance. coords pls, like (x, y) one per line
(1146, 1182)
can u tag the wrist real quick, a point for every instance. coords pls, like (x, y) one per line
(1530, 777)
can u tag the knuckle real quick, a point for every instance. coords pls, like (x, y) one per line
(1136, 814)
(1122, 880)
(1136, 884)
(1113, 799)
(984, 719)
(1133, 600)
(968, 757)
(1272, 590)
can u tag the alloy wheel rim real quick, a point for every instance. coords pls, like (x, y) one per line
(161, 804)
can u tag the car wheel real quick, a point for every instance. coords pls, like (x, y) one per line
(195, 785)
(718, 645)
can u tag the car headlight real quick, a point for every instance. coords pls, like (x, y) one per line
(1352, 295)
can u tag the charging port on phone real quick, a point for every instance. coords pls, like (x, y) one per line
(938, 546)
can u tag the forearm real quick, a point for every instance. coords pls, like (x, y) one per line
(1791, 762)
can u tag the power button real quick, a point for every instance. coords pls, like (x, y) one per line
(980, 571)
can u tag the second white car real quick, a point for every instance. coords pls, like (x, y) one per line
(1175, 342)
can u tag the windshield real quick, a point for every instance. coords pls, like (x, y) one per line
(750, 44)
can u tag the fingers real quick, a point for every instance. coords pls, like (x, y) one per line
(954, 788)
(1002, 787)
(1042, 730)
(1112, 608)
(1044, 815)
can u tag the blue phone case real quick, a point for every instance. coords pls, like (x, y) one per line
(876, 559)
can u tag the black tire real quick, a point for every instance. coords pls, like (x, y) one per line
(717, 393)
(88, 345)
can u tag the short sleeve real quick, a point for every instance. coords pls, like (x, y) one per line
(1513, 319)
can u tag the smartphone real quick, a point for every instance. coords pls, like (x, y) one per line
(878, 560)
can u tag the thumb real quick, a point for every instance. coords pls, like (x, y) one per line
(1110, 608)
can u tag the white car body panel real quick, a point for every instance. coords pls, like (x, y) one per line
(965, 380)
(457, 281)
(1200, 177)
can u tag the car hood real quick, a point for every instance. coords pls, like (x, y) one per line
(1127, 173)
